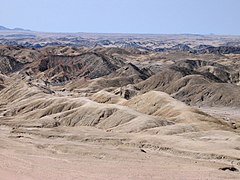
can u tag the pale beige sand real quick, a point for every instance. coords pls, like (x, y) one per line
(45, 167)
(98, 156)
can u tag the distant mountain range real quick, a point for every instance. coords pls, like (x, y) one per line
(2, 28)
(191, 43)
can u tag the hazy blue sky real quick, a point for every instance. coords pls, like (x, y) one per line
(123, 16)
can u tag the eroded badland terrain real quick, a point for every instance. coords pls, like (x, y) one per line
(119, 107)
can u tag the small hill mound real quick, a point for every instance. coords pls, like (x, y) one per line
(129, 70)
(21, 54)
(223, 75)
(163, 79)
(208, 68)
(112, 51)
(210, 94)
(195, 64)
(9, 65)
(64, 68)
(161, 104)
(107, 97)
(127, 75)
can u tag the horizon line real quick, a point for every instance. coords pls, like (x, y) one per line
(120, 33)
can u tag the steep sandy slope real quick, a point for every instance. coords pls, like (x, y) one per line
(161, 104)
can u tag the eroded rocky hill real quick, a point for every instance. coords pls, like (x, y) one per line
(63, 100)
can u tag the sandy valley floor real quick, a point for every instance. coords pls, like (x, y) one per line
(100, 156)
